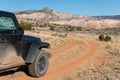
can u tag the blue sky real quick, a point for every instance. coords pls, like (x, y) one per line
(83, 7)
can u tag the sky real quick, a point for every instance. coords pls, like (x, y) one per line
(82, 7)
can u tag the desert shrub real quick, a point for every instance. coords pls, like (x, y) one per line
(71, 28)
(104, 38)
(101, 37)
(25, 25)
(52, 28)
(79, 28)
(107, 38)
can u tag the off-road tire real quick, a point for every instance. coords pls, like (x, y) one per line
(35, 69)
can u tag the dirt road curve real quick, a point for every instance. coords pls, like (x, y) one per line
(56, 71)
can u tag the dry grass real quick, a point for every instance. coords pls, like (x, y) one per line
(103, 66)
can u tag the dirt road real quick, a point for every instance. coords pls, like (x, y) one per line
(64, 67)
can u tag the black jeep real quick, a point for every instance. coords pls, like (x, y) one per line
(17, 49)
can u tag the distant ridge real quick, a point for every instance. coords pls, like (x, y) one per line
(49, 15)
(49, 10)
(45, 10)
(116, 17)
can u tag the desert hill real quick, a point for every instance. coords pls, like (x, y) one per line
(62, 18)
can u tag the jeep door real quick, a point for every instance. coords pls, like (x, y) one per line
(8, 41)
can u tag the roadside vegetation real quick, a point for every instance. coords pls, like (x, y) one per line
(25, 25)
(104, 38)
(38, 26)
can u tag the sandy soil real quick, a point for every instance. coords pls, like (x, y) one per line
(76, 57)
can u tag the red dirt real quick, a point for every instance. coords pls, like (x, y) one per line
(71, 43)
(55, 72)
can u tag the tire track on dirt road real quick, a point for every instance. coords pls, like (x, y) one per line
(53, 73)
(71, 43)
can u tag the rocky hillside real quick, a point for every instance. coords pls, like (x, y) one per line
(47, 14)
(51, 16)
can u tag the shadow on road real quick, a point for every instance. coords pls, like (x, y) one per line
(11, 72)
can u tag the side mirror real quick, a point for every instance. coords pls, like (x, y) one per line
(20, 31)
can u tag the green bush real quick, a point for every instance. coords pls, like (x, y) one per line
(52, 28)
(101, 37)
(79, 28)
(25, 25)
(107, 38)
(104, 38)
(70, 28)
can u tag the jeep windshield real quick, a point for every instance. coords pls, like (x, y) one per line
(7, 25)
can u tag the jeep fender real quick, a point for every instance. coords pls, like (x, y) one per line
(34, 50)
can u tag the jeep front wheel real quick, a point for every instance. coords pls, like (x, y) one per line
(39, 66)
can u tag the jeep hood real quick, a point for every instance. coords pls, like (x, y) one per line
(31, 39)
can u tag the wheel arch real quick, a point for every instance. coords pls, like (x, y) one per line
(34, 50)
